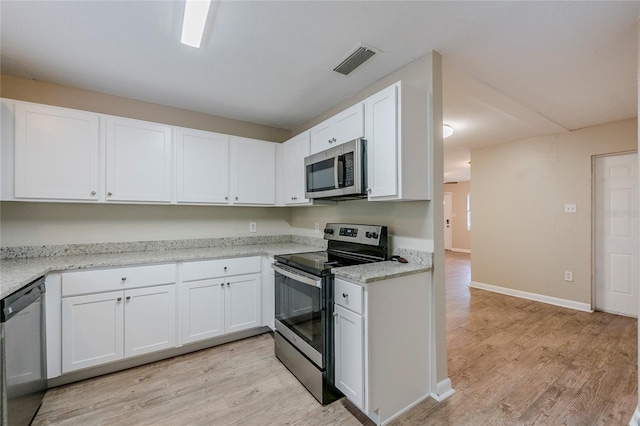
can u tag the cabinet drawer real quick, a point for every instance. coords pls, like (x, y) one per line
(349, 295)
(94, 281)
(220, 268)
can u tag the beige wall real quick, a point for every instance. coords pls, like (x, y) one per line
(461, 237)
(58, 223)
(71, 97)
(522, 239)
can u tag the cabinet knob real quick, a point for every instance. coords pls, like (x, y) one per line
(335, 315)
(236, 198)
(333, 139)
(228, 284)
(226, 197)
(109, 194)
(119, 299)
(222, 285)
(124, 279)
(93, 193)
(368, 190)
(345, 295)
(128, 298)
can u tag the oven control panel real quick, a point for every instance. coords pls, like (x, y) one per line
(362, 234)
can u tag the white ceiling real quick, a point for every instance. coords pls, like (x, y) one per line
(512, 70)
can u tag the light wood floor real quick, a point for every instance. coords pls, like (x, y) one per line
(511, 361)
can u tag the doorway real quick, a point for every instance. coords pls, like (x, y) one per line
(448, 216)
(615, 264)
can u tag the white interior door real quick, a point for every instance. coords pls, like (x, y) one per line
(448, 222)
(616, 234)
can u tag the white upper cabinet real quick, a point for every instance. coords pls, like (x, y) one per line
(381, 130)
(342, 127)
(202, 167)
(138, 161)
(291, 170)
(398, 144)
(253, 171)
(56, 153)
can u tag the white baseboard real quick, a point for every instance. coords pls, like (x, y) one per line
(585, 307)
(459, 250)
(443, 390)
(635, 420)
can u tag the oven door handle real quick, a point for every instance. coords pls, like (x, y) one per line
(300, 278)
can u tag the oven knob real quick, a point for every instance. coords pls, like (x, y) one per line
(374, 235)
(328, 231)
(367, 234)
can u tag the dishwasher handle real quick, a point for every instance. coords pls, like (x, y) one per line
(11, 305)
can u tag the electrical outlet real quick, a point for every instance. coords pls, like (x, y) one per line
(570, 208)
(252, 227)
(317, 228)
(568, 276)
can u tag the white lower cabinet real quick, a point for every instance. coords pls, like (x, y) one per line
(349, 355)
(219, 297)
(382, 346)
(202, 310)
(106, 327)
(92, 330)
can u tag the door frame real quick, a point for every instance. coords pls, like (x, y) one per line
(593, 218)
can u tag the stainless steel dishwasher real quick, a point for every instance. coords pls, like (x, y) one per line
(23, 356)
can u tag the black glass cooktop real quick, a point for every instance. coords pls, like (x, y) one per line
(317, 262)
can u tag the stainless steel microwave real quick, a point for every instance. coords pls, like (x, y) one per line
(338, 172)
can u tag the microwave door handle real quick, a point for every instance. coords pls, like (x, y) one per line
(336, 163)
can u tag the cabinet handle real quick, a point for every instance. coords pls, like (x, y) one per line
(345, 295)
(236, 198)
(335, 315)
(124, 279)
(119, 299)
(93, 193)
(226, 197)
(368, 190)
(225, 269)
(128, 298)
(109, 194)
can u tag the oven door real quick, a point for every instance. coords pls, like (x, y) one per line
(300, 313)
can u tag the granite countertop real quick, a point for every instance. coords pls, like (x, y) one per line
(372, 272)
(15, 273)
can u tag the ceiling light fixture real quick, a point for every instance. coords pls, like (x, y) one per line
(446, 131)
(195, 18)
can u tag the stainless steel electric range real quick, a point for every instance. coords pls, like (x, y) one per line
(304, 293)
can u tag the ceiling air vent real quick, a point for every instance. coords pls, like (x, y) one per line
(359, 56)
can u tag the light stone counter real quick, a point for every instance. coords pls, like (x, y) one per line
(372, 272)
(16, 273)
(21, 265)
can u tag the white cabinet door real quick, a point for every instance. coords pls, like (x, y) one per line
(253, 171)
(350, 124)
(202, 309)
(138, 161)
(56, 153)
(323, 135)
(294, 152)
(382, 142)
(242, 302)
(202, 167)
(92, 330)
(349, 355)
(342, 127)
(150, 320)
